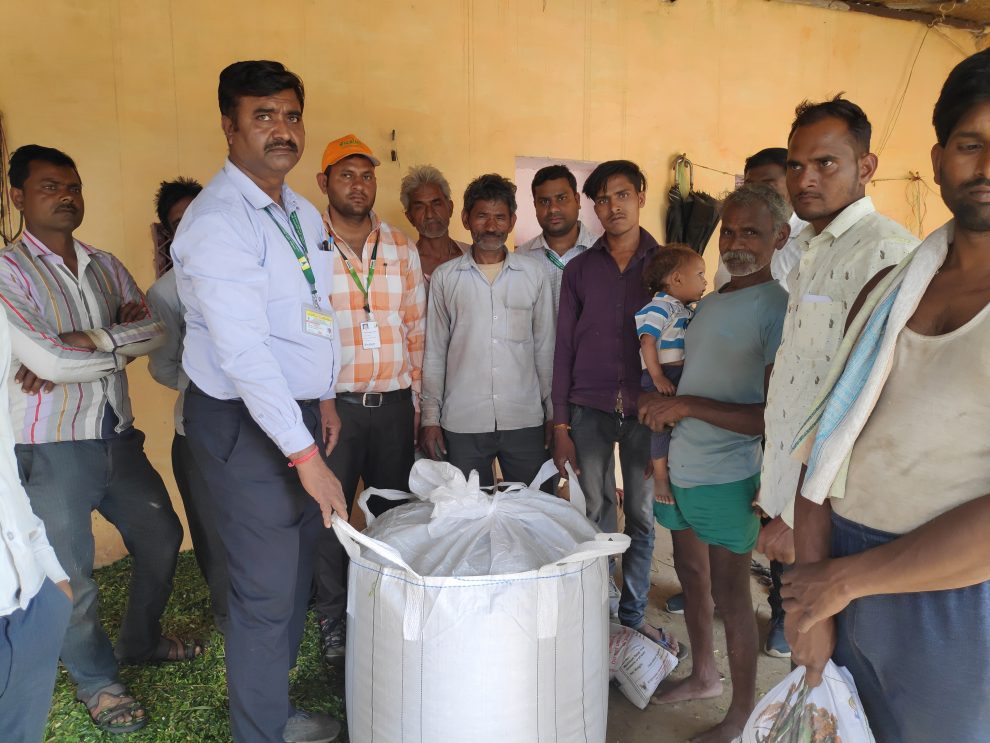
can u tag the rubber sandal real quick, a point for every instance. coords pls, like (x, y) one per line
(185, 650)
(668, 642)
(104, 720)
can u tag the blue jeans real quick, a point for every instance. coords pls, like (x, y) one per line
(66, 482)
(29, 643)
(595, 434)
(919, 660)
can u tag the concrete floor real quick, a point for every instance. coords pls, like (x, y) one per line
(675, 723)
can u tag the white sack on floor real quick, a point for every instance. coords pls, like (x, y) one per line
(477, 618)
(790, 711)
(637, 664)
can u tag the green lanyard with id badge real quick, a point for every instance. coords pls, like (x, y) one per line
(315, 320)
(370, 335)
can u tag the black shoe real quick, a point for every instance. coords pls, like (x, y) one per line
(675, 604)
(333, 639)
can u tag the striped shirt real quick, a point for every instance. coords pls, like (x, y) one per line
(43, 298)
(398, 304)
(665, 318)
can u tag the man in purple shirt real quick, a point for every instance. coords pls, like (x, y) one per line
(596, 375)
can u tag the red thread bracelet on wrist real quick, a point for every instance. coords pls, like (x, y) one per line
(304, 457)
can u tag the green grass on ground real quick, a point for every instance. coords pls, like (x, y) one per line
(185, 701)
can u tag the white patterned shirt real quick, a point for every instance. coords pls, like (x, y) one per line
(834, 266)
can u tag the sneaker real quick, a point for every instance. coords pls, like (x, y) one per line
(333, 639)
(777, 646)
(310, 727)
(675, 604)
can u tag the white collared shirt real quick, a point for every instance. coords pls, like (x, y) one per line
(245, 293)
(26, 557)
(537, 248)
(834, 266)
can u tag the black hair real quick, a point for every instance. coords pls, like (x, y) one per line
(553, 173)
(967, 85)
(769, 156)
(256, 78)
(599, 177)
(20, 162)
(668, 259)
(490, 187)
(172, 192)
(808, 113)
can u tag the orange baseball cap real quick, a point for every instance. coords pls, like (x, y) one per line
(345, 147)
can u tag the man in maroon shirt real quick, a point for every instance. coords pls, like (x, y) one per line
(596, 375)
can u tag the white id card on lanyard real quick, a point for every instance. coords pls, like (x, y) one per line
(317, 322)
(370, 336)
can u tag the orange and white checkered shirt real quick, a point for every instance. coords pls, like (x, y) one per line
(398, 305)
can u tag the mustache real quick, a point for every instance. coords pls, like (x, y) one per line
(984, 182)
(738, 256)
(288, 143)
(67, 208)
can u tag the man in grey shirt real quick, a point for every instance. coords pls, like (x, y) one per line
(489, 347)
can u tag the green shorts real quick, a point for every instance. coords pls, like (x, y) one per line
(719, 514)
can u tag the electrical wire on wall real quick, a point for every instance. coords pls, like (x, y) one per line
(8, 232)
(914, 194)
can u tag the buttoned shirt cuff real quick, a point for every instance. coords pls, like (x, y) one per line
(429, 413)
(561, 413)
(295, 440)
(101, 339)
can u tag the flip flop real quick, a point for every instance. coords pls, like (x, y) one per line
(104, 719)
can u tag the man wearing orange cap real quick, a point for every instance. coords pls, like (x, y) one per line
(380, 301)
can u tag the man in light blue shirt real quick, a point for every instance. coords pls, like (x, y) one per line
(262, 355)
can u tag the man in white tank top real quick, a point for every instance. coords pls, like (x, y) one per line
(907, 607)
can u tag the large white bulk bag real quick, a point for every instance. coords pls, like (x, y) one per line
(518, 656)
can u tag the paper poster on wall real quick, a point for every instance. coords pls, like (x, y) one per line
(526, 225)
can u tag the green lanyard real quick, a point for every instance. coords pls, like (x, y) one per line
(552, 257)
(300, 252)
(364, 289)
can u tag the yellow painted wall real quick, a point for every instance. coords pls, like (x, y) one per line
(129, 90)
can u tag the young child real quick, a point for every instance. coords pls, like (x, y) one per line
(676, 277)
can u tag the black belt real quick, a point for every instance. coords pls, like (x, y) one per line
(375, 399)
(196, 390)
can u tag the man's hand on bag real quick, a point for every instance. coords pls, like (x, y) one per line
(331, 424)
(64, 587)
(322, 485)
(776, 541)
(31, 383)
(564, 451)
(812, 648)
(431, 442)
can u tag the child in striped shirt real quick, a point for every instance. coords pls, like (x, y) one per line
(676, 277)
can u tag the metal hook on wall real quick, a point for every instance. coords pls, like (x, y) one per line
(684, 174)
